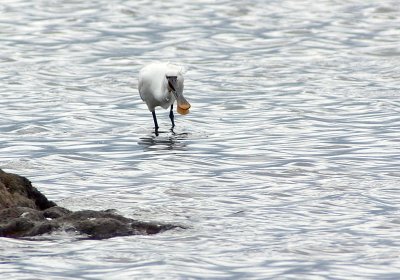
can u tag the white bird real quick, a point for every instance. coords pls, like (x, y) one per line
(160, 84)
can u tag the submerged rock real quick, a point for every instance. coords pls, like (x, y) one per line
(24, 211)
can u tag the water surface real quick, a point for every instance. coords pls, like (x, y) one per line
(287, 166)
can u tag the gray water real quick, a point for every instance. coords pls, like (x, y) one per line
(287, 166)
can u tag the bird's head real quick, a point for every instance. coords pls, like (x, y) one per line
(176, 87)
(172, 83)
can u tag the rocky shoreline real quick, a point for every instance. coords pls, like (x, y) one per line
(24, 212)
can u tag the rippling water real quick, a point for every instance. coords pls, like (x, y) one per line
(286, 167)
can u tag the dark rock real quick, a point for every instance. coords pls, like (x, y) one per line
(17, 227)
(24, 211)
(55, 212)
(16, 190)
(99, 228)
(8, 214)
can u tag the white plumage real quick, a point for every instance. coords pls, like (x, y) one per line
(160, 84)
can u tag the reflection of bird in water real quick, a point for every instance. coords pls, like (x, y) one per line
(160, 84)
(167, 142)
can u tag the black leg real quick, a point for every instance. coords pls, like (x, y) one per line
(171, 116)
(155, 121)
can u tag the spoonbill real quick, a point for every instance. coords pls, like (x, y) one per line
(160, 84)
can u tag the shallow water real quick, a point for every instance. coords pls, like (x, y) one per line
(287, 166)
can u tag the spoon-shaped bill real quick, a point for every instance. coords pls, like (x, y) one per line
(183, 104)
(182, 111)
